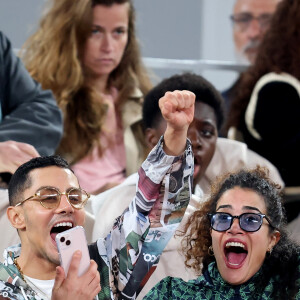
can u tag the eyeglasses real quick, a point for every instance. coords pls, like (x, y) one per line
(243, 21)
(50, 197)
(249, 222)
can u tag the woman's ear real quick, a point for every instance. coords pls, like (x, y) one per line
(275, 237)
(16, 217)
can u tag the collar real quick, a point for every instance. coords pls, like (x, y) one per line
(9, 273)
(213, 277)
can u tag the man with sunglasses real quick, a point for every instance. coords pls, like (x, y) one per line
(46, 198)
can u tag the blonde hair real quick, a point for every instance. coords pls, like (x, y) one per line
(53, 57)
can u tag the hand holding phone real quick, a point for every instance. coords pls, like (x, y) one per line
(70, 241)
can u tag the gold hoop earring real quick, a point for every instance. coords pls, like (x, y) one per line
(211, 251)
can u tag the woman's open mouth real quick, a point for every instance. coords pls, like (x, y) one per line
(235, 254)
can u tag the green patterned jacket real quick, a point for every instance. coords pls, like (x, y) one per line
(211, 286)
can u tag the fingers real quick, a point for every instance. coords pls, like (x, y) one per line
(177, 109)
(29, 149)
(13, 154)
(59, 278)
(177, 100)
(74, 265)
(90, 278)
(94, 277)
(73, 287)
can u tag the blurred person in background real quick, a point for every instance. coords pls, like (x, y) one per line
(87, 52)
(267, 107)
(250, 21)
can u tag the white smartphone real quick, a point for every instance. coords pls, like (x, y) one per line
(67, 243)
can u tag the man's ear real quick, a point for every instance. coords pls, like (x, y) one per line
(16, 217)
(151, 138)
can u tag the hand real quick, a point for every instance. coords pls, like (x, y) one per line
(73, 287)
(13, 154)
(177, 109)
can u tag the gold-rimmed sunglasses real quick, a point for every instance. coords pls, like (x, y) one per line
(50, 197)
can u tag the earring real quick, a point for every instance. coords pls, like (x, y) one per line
(269, 252)
(211, 251)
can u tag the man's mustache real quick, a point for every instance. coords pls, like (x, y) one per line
(251, 45)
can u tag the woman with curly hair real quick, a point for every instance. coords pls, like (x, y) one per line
(267, 106)
(87, 52)
(238, 241)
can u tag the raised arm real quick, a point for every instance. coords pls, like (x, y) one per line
(163, 192)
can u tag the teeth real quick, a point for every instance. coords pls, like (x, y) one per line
(64, 224)
(234, 244)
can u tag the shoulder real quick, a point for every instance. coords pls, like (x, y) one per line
(274, 86)
(175, 288)
(132, 108)
(274, 95)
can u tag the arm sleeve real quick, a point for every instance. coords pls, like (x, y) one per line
(139, 235)
(28, 114)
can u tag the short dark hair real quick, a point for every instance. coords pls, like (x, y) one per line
(205, 92)
(20, 180)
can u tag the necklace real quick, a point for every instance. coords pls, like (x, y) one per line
(20, 270)
(34, 288)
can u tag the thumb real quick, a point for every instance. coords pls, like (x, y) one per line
(59, 278)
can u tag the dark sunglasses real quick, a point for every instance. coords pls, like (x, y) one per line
(249, 222)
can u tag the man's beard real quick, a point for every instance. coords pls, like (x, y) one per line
(241, 55)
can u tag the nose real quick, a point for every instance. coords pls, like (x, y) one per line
(106, 44)
(64, 206)
(254, 30)
(194, 136)
(235, 227)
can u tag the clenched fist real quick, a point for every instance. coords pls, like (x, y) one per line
(177, 109)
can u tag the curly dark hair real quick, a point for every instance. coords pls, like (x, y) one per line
(197, 236)
(278, 52)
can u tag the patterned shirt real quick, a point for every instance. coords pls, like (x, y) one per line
(211, 286)
(129, 254)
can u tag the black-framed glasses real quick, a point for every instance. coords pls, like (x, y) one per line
(249, 222)
(242, 21)
(50, 197)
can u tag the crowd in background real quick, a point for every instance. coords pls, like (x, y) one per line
(80, 90)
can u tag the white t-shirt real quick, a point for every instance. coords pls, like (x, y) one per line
(41, 287)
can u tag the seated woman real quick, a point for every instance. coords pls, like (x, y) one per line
(237, 239)
(87, 53)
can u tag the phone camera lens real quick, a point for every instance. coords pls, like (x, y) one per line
(68, 242)
(62, 239)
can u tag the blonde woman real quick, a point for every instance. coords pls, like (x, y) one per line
(86, 51)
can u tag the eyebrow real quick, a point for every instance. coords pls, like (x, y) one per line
(54, 187)
(99, 27)
(243, 208)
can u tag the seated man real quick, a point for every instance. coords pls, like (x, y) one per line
(40, 207)
(30, 124)
(213, 156)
